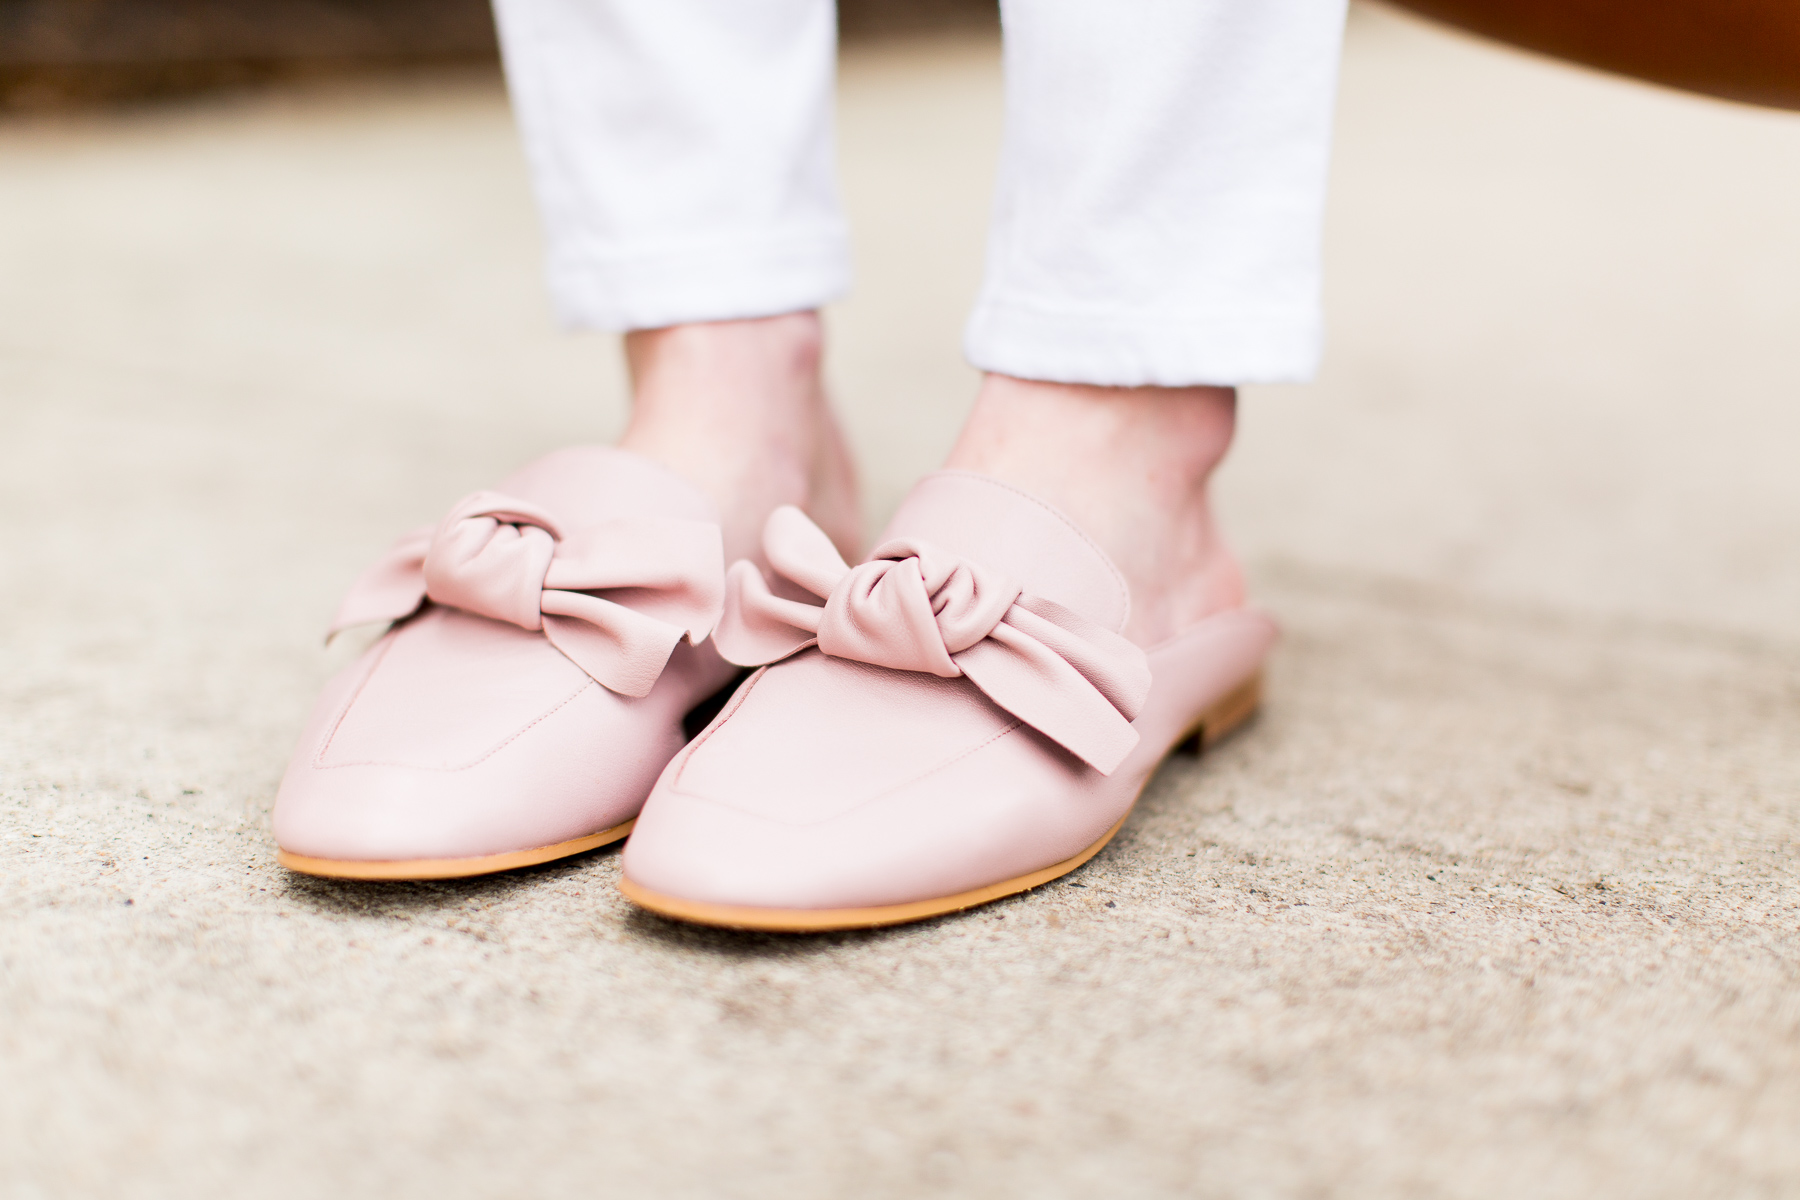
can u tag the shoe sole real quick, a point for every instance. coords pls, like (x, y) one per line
(447, 868)
(1237, 706)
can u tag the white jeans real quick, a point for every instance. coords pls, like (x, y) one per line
(1158, 212)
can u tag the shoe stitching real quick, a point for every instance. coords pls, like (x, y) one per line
(731, 706)
(943, 766)
(515, 736)
(861, 804)
(1242, 610)
(1105, 559)
(382, 648)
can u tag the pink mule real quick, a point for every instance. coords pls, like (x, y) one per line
(546, 646)
(955, 720)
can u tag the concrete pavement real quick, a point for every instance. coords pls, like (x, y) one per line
(1498, 898)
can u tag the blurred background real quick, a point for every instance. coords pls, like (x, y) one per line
(58, 52)
(1499, 896)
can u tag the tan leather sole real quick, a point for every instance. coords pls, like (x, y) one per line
(1231, 711)
(447, 868)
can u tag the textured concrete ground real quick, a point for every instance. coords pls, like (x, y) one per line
(1499, 898)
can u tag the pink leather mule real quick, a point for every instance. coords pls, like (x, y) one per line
(955, 720)
(546, 645)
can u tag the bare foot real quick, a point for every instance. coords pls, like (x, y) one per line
(1130, 466)
(738, 408)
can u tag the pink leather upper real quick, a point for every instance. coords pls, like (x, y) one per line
(831, 782)
(504, 558)
(479, 724)
(917, 607)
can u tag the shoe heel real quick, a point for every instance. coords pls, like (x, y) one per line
(1232, 710)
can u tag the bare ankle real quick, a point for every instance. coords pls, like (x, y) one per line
(1131, 466)
(785, 349)
(1179, 435)
(739, 408)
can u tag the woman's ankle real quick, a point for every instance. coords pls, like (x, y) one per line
(782, 352)
(1131, 466)
(739, 408)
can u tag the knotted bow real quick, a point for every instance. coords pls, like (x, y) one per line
(503, 558)
(916, 607)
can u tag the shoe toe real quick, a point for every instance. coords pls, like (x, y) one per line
(457, 736)
(830, 784)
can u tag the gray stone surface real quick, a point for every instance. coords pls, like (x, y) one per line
(1498, 898)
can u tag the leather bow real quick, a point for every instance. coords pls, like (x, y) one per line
(615, 597)
(916, 607)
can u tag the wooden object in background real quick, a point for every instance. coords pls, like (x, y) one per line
(54, 51)
(1745, 50)
(59, 52)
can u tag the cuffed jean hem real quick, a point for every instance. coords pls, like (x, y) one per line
(725, 282)
(1139, 349)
